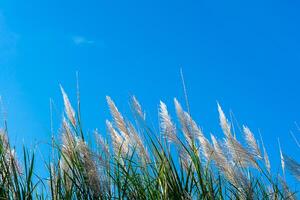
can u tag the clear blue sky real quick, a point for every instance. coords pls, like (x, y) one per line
(244, 54)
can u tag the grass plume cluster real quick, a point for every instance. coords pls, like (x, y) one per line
(137, 162)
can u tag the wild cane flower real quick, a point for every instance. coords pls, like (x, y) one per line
(267, 161)
(68, 107)
(266, 157)
(286, 190)
(220, 157)
(240, 155)
(102, 143)
(9, 154)
(68, 140)
(138, 108)
(129, 135)
(167, 128)
(293, 166)
(224, 122)
(90, 168)
(118, 142)
(104, 148)
(184, 121)
(251, 141)
(223, 164)
(206, 149)
(204, 145)
(189, 128)
(138, 144)
(74, 147)
(67, 149)
(281, 159)
(104, 162)
(118, 119)
(185, 158)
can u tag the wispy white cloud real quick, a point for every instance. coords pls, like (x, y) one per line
(80, 40)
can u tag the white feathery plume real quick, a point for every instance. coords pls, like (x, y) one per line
(286, 190)
(224, 165)
(90, 168)
(10, 155)
(281, 158)
(65, 169)
(118, 119)
(224, 122)
(295, 139)
(293, 166)
(220, 157)
(68, 107)
(185, 158)
(239, 154)
(251, 141)
(68, 140)
(138, 143)
(103, 145)
(194, 129)
(197, 133)
(182, 116)
(138, 108)
(167, 127)
(206, 149)
(266, 157)
(119, 144)
(68, 147)
(104, 161)
(267, 161)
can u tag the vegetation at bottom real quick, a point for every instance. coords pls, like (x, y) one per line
(138, 162)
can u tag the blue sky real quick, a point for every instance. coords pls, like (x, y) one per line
(244, 54)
